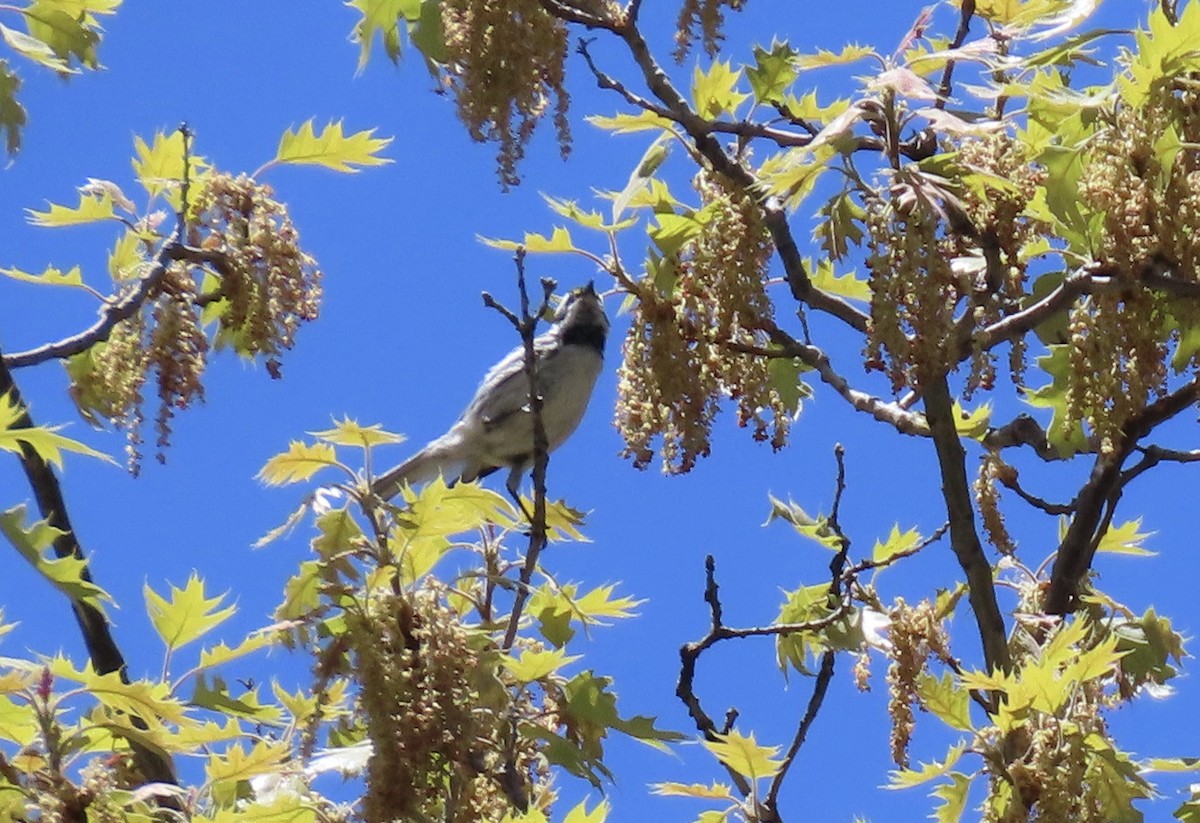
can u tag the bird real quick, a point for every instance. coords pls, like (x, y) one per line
(496, 429)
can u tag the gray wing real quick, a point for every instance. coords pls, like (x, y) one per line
(505, 389)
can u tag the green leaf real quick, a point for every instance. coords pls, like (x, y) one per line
(714, 91)
(91, 209)
(12, 113)
(772, 73)
(300, 462)
(946, 699)
(159, 165)
(846, 285)
(220, 654)
(588, 219)
(850, 53)
(218, 698)
(331, 148)
(1064, 433)
(580, 814)
(52, 276)
(673, 231)
(381, 17)
(841, 225)
(534, 665)
(631, 123)
(1126, 538)
(973, 424)
(44, 440)
(783, 375)
(33, 49)
(814, 528)
(428, 34)
(187, 614)
(742, 754)
(907, 778)
(67, 574)
(954, 798)
(897, 543)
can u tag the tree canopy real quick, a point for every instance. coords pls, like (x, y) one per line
(947, 281)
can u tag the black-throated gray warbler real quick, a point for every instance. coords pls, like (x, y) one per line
(496, 430)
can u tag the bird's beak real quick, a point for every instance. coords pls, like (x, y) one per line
(590, 288)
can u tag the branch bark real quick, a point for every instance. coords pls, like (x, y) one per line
(964, 538)
(102, 648)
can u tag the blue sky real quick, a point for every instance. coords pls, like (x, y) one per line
(403, 340)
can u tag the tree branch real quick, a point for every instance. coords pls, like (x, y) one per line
(1098, 498)
(964, 539)
(526, 326)
(102, 649)
(113, 313)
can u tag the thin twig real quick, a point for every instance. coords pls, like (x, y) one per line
(526, 326)
(113, 313)
(967, 10)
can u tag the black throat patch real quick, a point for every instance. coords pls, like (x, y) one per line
(591, 334)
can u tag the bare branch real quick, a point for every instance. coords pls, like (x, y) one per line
(885, 412)
(113, 313)
(964, 539)
(1022, 430)
(526, 325)
(967, 11)
(1096, 501)
(102, 648)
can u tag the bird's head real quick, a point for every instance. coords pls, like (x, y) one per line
(581, 318)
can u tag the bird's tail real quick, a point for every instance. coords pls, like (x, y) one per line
(428, 463)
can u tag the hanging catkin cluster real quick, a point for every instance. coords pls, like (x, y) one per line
(682, 356)
(703, 19)
(914, 288)
(1121, 339)
(443, 727)
(998, 214)
(256, 288)
(916, 634)
(506, 69)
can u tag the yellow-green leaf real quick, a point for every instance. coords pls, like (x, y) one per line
(580, 814)
(51, 276)
(973, 424)
(1126, 538)
(300, 462)
(954, 798)
(33, 49)
(221, 653)
(846, 285)
(68, 574)
(849, 54)
(907, 778)
(381, 17)
(159, 165)
(187, 614)
(713, 791)
(332, 148)
(630, 123)
(946, 699)
(897, 543)
(743, 754)
(347, 432)
(534, 665)
(715, 91)
(236, 764)
(91, 209)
